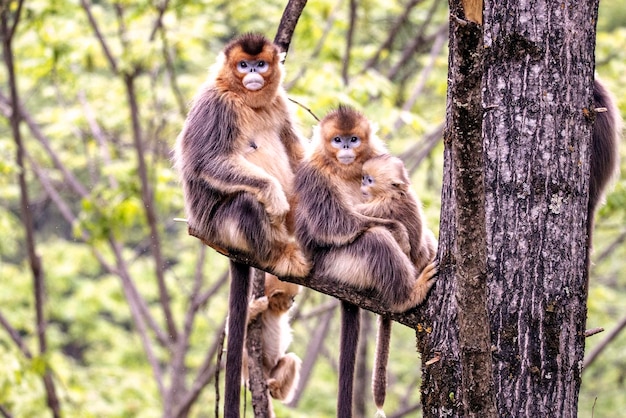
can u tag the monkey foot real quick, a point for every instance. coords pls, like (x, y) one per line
(292, 263)
(422, 285)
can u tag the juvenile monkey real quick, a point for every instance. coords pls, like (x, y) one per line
(387, 193)
(359, 250)
(281, 369)
(236, 155)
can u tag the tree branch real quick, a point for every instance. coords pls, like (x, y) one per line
(25, 212)
(349, 39)
(254, 344)
(314, 349)
(94, 25)
(400, 21)
(417, 43)
(35, 130)
(288, 23)
(138, 319)
(147, 197)
(205, 373)
(364, 299)
(15, 336)
(604, 343)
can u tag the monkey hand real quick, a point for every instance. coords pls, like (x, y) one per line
(275, 202)
(257, 306)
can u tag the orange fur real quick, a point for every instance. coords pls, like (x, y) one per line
(237, 154)
(345, 245)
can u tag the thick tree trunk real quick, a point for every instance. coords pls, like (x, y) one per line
(532, 66)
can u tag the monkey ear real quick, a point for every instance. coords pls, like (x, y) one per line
(400, 186)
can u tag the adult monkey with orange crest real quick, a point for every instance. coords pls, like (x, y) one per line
(237, 154)
(347, 246)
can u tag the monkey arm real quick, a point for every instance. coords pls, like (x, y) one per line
(293, 143)
(236, 174)
(211, 147)
(323, 218)
(375, 215)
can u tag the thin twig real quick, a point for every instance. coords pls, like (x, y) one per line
(94, 25)
(15, 336)
(400, 21)
(604, 343)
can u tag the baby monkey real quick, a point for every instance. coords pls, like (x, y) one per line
(280, 369)
(387, 192)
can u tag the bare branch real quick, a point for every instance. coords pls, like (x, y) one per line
(419, 41)
(313, 351)
(318, 47)
(34, 128)
(591, 357)
(94, 25)
(147, 197)
(138, 319)
(364, 299)
(206, 371)
(393, 32)
(288, 23)
(610, 249)
(5, 412)
(158, 23)
(417, 153)
(423, 77)
(25, 212)
(349, 39)
(97, 133)
(254, 344)
(15, 336)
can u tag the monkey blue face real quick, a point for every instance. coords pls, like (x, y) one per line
(253, 80)
(346, 146)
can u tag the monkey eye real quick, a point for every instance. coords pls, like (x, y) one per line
(336, 140)
(354, 139)
(261, 64)
(242, 65)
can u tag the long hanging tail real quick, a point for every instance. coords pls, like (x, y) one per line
(381, 357)
(350, 324)
(238, 311)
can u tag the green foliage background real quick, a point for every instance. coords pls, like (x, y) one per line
(96, 356)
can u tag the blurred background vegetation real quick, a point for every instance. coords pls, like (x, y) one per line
(107, 339)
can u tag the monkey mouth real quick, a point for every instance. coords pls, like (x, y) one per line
(346, 159)
(253, 86)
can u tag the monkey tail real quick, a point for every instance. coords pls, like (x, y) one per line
(350, 324)
(381, 357)
(237, 314)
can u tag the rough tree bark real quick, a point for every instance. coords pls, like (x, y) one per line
(532, 87)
